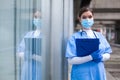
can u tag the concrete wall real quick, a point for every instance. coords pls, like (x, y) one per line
(105, 3)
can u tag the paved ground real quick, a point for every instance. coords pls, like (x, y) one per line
(113, 65)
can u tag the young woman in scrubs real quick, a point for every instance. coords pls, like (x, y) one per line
(87, 65)
(31, 69)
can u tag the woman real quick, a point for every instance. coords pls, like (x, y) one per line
(30, 50)
(87, 50)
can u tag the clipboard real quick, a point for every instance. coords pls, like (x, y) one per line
(33, 46)
(86, 46)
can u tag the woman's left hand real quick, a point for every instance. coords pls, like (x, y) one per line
(97, 55)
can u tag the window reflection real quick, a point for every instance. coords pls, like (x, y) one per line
(30, 50)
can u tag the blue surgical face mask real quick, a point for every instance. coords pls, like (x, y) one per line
(37, 22)
(87, 23)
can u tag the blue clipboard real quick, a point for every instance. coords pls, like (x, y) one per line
(33, 46)
(86, 46)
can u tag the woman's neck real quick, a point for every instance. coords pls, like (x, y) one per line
(89, 29)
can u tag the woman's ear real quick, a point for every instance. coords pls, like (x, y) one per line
(78, 17)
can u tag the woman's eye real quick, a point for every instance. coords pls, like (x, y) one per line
(90, 16)
(85, 17)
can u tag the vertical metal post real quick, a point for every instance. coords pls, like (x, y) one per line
(57, 20)
(15, 60)
(56, 39)
(46, 29)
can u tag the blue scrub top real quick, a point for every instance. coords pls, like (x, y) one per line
(21, 47)
(89, 70)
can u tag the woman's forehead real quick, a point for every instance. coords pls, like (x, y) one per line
(87, 13)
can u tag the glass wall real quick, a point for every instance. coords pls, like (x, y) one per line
(7, 67)
(16, 20)
(28, 67)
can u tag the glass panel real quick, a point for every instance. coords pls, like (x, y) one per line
(24, 14)
(7, 68)
(28, 39)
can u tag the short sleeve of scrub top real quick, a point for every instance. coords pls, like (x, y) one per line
(21, 46)
(106, 44)
(71, 48)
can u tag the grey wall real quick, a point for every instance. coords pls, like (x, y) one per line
(105, 3)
